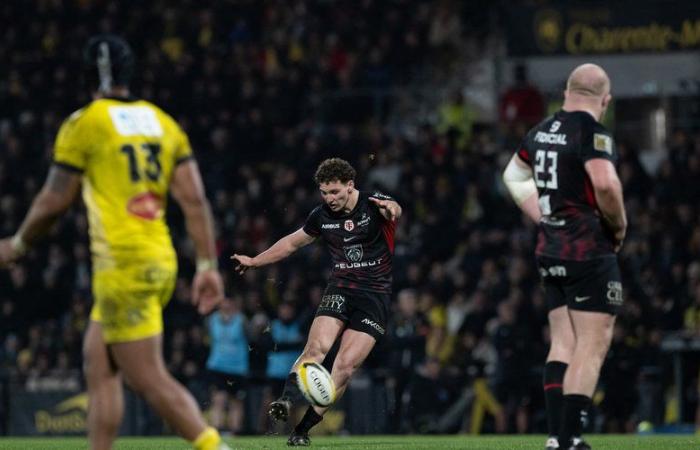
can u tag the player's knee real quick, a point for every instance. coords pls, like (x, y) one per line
(563, 347)
(344, 368)
(315, 351)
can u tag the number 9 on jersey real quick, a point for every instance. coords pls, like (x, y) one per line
(316, 384)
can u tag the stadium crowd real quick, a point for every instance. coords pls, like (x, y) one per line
(265, 93)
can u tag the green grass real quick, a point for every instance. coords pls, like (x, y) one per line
(529, 442)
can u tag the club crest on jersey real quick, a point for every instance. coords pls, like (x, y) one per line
(364, 221)
(602, 143)
(349, 225)
(353, 252)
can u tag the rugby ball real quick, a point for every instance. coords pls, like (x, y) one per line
(316, 384)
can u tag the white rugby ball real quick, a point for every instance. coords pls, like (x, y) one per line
(316, 383)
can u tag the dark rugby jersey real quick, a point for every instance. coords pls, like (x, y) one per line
(557, 149)
(361, 243)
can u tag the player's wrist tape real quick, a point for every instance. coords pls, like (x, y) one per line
(204, 264)
(18, 245)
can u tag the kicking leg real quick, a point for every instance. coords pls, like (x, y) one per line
(105, 390)
(323, 333)
(354, 348)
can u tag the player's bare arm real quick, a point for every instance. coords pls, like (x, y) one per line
(390, 209)
(188, 191)
(520, 182)
(57, 194)
(608, 194)
(278, 251)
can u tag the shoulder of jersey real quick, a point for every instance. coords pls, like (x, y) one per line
(317, 210)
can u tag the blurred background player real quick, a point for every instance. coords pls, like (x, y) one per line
(127, 154)
(358, 228)
(563, 177)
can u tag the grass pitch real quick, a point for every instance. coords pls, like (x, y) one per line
(528, 442)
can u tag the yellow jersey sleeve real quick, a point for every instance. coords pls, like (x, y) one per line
(73, 142)
(183, 149)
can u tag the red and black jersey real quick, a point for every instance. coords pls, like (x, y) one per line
(361, 244)
(571, 226)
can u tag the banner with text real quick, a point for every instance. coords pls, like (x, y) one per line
(593, 27)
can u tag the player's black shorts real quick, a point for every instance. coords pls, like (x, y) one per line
(363, 311)
(594, 285)
(234, 385)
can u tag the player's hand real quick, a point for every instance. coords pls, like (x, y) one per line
(243, 263)
(207, 290)
(8, 253)
(618, 239)
(389, 208)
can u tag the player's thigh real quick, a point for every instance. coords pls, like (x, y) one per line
(355, 346)
(593, 330)
(561, 333)
(97, 363)
(594, 286)
(141, 362)
(129, 299)
(323, 333)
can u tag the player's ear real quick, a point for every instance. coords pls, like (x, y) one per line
(351, 185)
(606, 100)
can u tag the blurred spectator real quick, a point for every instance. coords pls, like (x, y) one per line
(427, 397)
(406, 339)
(522, 104)
(228, 365)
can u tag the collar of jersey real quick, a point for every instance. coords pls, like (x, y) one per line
(130, 98)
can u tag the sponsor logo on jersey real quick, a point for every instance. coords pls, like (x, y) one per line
(333, 302)
(358, 265)
(349, 225)
(330, 226)
(364, 220)
(353, 253)
(374, 325)
(614, 293)
(602, 143)
(550, 138)
(135, 120)
(148, 206)
(556, 271)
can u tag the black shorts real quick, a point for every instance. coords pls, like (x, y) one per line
(234, 385)
(594, 285)
(363, 311)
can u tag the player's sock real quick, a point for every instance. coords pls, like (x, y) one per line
(310, 419)
(575, 412)
(208, 439)
(291, 388)
(553, 397)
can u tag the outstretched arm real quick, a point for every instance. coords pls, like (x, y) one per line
(188, 190)
(279, 250)
(521, 185)
(55, 197)
(390, 209)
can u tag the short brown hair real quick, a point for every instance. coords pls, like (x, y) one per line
(334, 169)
